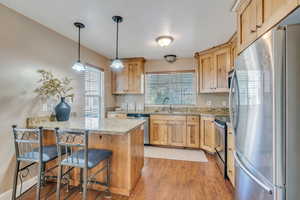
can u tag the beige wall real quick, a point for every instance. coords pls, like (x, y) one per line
(216, 100)
(25, 47)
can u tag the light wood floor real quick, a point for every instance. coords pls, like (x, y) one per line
(167, 180)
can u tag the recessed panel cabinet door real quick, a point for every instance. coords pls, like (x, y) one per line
(177, 133)
(193, 132)
(222, 64)
(208, 138)
(135, 78)
(247, 29)
(159, 132)
(120, 80)
(206, 73)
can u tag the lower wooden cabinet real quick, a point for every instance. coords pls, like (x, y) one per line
(158, 131)
(193, 132)
(230, 156)
(208, 139)
(175, 130)
(117, 115)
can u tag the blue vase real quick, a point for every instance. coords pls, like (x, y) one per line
(62, 110)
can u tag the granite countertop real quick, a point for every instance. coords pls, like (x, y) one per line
(201, 113)
(102, 126)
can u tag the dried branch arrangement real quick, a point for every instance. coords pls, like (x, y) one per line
(53, 87)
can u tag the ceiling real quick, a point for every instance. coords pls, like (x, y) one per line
(194, 24)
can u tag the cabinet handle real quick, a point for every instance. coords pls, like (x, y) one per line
(253, 31)
(258, 26)
(230, 149)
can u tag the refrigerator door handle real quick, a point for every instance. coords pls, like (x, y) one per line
(240, 164)
(234, 88)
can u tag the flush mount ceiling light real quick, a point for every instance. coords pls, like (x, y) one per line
(164, 41)
(170, 58)
(78, 66)
(117, 64)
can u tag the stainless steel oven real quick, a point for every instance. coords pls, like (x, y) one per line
(221, 148)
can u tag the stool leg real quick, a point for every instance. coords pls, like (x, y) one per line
(58, 181)
(14, 193)
(85, 177)
(38, 185)
(108, 174)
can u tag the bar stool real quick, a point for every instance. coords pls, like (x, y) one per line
(80, 156)
(29, 148)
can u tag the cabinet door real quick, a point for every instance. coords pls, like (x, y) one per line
(270, 12)
(193, 132)
(208, 138)
(233, 52)
(135, 78)
(230, 157)
(158, 132)
(222, 65)
(247, 30)
(120, 81)
(177, 133)
(206, 73)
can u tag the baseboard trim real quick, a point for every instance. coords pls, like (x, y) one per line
(26, 185)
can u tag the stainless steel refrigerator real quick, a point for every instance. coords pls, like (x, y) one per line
(265, 115)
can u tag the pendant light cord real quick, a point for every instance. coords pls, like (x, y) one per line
(117, 45)
(79, 44)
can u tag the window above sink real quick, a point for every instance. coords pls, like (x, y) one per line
(175, 88)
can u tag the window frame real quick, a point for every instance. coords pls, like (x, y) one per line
(101, 96)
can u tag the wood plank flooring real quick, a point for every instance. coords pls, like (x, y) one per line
(167, 180)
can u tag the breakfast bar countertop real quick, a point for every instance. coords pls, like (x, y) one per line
(101, 126)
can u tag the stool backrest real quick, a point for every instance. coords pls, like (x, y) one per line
(28, 143)
(70, 142)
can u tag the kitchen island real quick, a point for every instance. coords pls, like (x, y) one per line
(124, 137)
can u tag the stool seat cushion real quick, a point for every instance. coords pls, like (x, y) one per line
(49, 153)
(95, 156)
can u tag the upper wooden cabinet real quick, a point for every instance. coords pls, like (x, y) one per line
(255, 17)
(131, 79)
(233, 51)
(213, 67)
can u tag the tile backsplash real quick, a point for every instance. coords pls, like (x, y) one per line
(137, 102)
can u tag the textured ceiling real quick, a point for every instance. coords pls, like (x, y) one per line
(195, 24)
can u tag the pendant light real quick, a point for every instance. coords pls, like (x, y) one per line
(117, 64)
(78, 66)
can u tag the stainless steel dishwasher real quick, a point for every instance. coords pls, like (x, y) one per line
(146, 127)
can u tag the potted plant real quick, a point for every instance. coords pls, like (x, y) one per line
(59, 89)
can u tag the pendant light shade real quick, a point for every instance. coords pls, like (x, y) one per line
(78, 66)
(117, 64)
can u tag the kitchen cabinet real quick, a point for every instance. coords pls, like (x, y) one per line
(158, 131)
(230, 156)
(206, 73)
(116, 115)
(131, 79)
(256, 17)
(208, 139)
(193, 132)
(175, 130)
(233, 51)
(213, 68)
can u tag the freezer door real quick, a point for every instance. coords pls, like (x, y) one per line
(254, 84)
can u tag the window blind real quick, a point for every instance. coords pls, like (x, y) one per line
(93, 92)
(170, 88)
